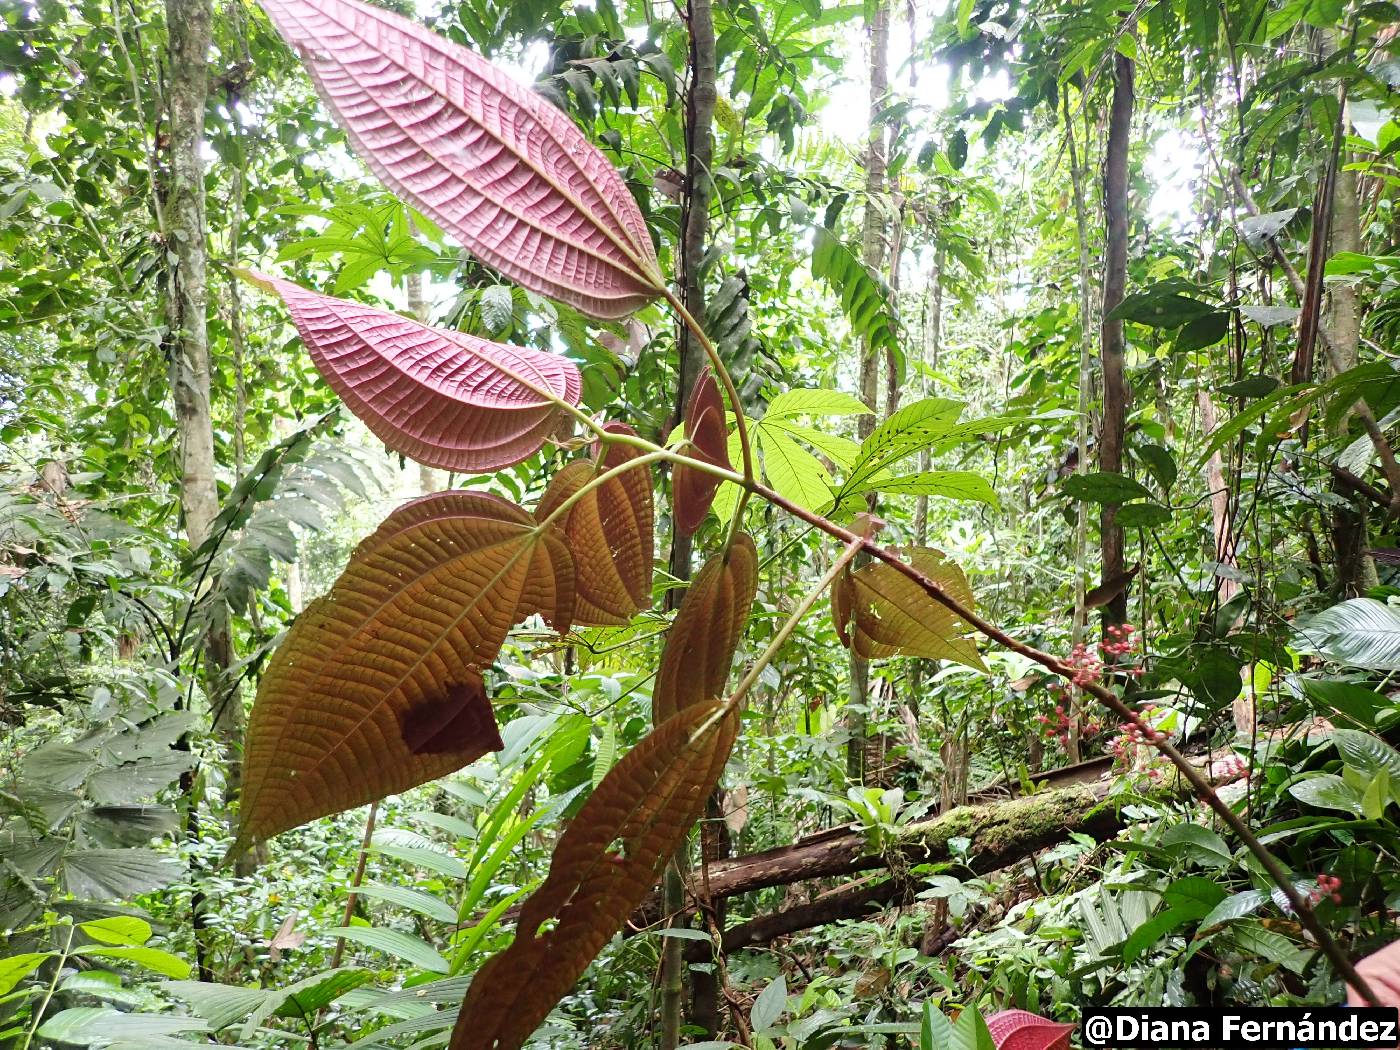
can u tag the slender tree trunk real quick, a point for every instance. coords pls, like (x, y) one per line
(695, 222)
(187, 348)
(1356, 572)
(429, 480)
(872, 254)
(1086, 380)
(1115, 388)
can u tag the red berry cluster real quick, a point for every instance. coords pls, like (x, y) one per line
(1088, 665)
(1327, 886)
(1231, 767)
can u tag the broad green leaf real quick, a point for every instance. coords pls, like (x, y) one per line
(1194, 896)
(1160, 311)
(840, 450)
(1327, 791)
(770, 1005)
(115, 874)
(1149, 933)
(411, 899)
(153, 959)
(1197, 844)
(1103, 488)
(119, 929)
(403, 946)
(912, 428)
(219, 1004)
(1370, 754)
(1361, 632)
(1234, 907)
(1142, 515)
(421, 857)
(88, 1024)
(950, 484)
(815, 403)
(865, 299)
(794, 472)
(17, 967)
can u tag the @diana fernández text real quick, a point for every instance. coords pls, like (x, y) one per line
(1294, 1028)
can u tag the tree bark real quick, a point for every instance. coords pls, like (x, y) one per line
(1115, 389)
(190, 25)
(872, 254)
(1086, 379)
(695, 221)
(1356, 572)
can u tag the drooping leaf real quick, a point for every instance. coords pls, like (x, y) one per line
(879, 612)
(609, 532)
(701, 643)
(153, 959)
(694, 490)
(493, 163)
(1370, 754)
(1103, 487)
(114, 874)
(378, 685)
(865, 300)
(815, 403)
(950, 484)
(405, 946)
(444, 398)
(605, 863)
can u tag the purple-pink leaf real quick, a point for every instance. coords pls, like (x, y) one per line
(446, 399)
(492, 162)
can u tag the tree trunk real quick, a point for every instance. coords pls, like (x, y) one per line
(695, 222)
(1356, 572)
(429, 480)
(872, 254)
(1086, 380)
(1115, 389)
(187, 346)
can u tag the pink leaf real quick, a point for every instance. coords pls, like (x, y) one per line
(446, 399)
(1023, 1030)
(492, 162)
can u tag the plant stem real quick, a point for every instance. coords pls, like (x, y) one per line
(355, 880)
(1325, 942)
(48, 993)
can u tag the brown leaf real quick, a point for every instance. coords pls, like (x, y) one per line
(606, 862)
(377, 687)
(880, 612)
(609, 533)
(286, 938)
(1110, 588)
(701, 643)
(694, 490)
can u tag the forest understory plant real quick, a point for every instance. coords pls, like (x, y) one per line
(379, 686)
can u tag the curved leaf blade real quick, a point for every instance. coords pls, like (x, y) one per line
(490, 161)
(694, 490)
(610, 535)
(881, 613)
(378, 685)
(605, 863)
(1361, 632)
(700, 645)
(443, 398)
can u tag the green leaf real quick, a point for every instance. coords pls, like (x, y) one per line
(770, 1005)
(815, 403)
(935, 1030)
(1160, 463)
(1376, 797)
(1195, 896)
(1142, 515)
(89, 1024)
(1270, 316)
(971, 1033)
(312, 994)
(17, 967)
(951, 484)
(1254, 386)
(685, 933)
(912, 428)
(1361, 632)
(1235, 907)
(218, 1004)
(1327, 791)
(153, 959)
(119, 929)
(1371, 755)
(1256, 940)
(412, 950)
(1199, 845)
(840, 450)
(422, 857)
(1149, 933)
(865, 300)
(411, 899)
(1201, 332)
(1160, 311)
(115, 874)
(794, 472)
(1102, 487)
(1359, 704)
